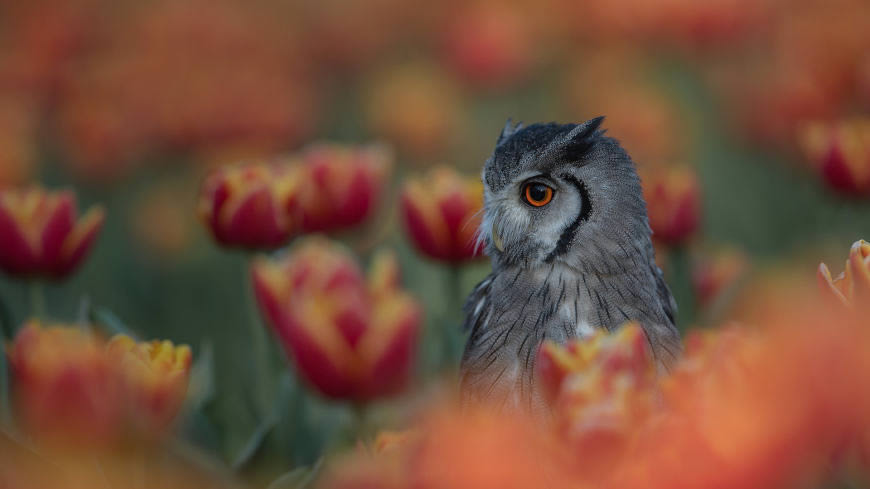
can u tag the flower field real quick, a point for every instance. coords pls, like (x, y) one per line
(236, 238)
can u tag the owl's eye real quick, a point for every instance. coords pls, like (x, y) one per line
(537, 194)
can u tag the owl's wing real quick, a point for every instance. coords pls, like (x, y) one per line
(475, 305)
(669, 304)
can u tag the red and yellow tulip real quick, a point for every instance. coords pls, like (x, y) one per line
(348, 337)
(852, 286)
(155, 377)
(343, 185)
(72, 387)
(441, 212)
(673, 198)
(246, 206)
(840, 152)
(65, 387)
(40, 235)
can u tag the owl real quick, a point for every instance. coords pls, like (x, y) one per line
(565, 226)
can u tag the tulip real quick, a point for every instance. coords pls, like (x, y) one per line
(342, 185)
(245, 206)
(852, 286)
(441, 213)
(840, 152)
(39, 234)
(489, 45)
(624, 349)
(155, 376)
(348, 338)
(65, 388)
(673, 203)
(715, 274)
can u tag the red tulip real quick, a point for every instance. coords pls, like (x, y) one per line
(441, 213)
(673, 202)
(349, 339)
(65, 388)
(840, 152)
(39, 234)
(245, 206)
(342, 186)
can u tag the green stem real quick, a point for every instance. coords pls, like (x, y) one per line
(5, 404)
(682, 288)
(37, 300)
(452, 331)
(6, 326)
(259, 350)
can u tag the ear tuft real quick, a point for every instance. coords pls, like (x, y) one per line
(509, 130)
(582, 138)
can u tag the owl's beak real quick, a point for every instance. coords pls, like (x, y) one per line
(496, 238)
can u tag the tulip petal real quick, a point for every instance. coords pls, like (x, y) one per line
(388, 348)
(17, 256)
(425, 224)
(253, 220)
(58, 226)
(859, 267)
(77, 245)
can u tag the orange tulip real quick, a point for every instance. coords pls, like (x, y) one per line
(840, 152)
(39, 235)
(348, 338)
(602, 389)
(245, 206)
(852, 286)
(441, 213)
(342, 185)
(155, 376)
(673, 198)
(713, 275)
(65, 388)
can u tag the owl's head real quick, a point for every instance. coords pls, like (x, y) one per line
(562, 192)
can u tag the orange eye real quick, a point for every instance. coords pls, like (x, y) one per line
(537, 194)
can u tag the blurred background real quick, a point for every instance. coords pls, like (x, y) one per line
(749, 122)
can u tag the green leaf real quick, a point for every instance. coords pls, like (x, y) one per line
(111, 323)
(202, 388)
(299, 478)
(253, 447)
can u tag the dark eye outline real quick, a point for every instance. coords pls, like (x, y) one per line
(527, 198)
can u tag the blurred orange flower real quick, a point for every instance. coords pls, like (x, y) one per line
(840, 152)
(341, 185)
(72, 387)
(17, 141)
(489, 44)
(673, 198)
(414, 106)
(441, 212)
(66, 389)
(716, 272)
(348, 338)
(602, 390)
(246, 205)
(852, 286)
(39, 234)
(155, 377)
